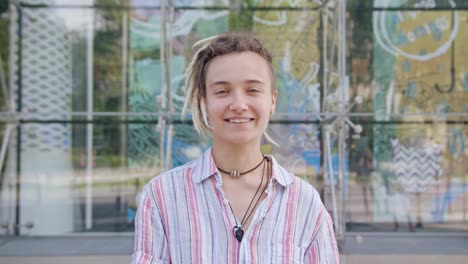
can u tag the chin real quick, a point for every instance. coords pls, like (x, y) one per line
(241, 140)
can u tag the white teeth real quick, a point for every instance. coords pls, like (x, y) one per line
(238, 121)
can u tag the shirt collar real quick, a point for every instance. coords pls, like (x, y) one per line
(205, 167)
(280, 174)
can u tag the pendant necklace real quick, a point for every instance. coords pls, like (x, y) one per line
(237, 230)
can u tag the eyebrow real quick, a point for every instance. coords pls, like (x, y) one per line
(226, 82)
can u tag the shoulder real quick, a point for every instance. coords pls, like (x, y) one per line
(304, 191)
(308, 193)
(295, 184)
(303, 206)
(176, 172)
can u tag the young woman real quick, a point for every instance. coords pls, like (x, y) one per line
(233, 204)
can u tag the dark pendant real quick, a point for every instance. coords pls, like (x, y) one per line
(238, 233)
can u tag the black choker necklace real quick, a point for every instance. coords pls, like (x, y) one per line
(236, 173)
(237, 230)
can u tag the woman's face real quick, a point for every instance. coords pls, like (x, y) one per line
(239, 98)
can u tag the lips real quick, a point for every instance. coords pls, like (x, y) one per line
(238, 120)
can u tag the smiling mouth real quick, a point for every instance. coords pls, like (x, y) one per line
(239, 120)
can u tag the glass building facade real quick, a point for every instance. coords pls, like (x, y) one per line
(372, 107)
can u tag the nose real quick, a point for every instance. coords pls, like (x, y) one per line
(238, 102)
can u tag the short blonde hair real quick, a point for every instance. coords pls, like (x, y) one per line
(212, 47)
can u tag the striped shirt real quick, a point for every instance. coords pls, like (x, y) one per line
(184, 217)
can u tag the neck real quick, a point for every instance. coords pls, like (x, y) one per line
(236, 158)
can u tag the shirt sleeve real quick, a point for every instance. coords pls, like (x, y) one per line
(150, 238)
(323, 249)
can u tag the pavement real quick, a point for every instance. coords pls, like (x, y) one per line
(357, 247)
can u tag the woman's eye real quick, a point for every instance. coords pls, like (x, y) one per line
(220, 92)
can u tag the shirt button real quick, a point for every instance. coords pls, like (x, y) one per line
(226, 201)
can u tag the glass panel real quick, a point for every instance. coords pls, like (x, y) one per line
(421, 73)
(54, 50)
(407, 169)
(108, 55)
(408, 175)
(145, 64)
(55, 180)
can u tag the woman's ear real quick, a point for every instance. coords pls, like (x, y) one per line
(273, 102)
